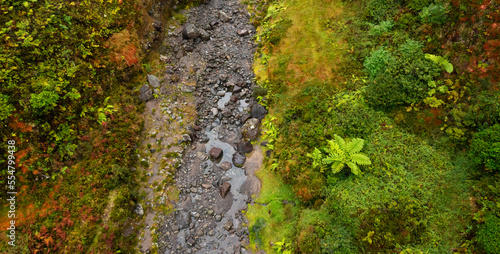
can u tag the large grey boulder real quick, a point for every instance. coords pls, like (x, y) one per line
(145, 93)
(258, 111)
(190, 31)
(153, 81)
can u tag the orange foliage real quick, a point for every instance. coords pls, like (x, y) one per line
(16, 125)
(124, 50)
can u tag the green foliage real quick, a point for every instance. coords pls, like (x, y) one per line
(376, 64)
(282, 247)
(382, 28)
(380, 10)
(434, 14)
(488, 235)
(404, 81)
(485, 148)
(441, 61)
(6, 108)
(340, 154)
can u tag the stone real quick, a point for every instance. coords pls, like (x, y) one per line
(193, 190)
(157, 25)
(145, 93)
(242, 32)
(204, 35)
(224, 189)
(250, 130)
(153, 81)
(215, 152)
(199, 232)
(236, 89)
(215, 111)
(211, 233)
(228, 225)
(244, 147)
(189, 31)
(258, 111)
(139, 210)
(226, 165)
(186, 138)
(223, 16)
(218, 217)
(221, 93)
(188, 89)
(196, 128)
(183, 219)
(239, 159)
(202, 156)
(227, 113)
(206, 185)
(164, 59)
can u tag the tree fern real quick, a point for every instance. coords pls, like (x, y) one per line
(441, 61)
(340, 153)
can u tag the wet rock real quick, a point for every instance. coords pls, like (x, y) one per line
(183, 219)
(258, 111)
(244, 147)
(211, 232)
(228, 225)
(199, 232)
(226, 165)
(189, 31)
(250, 130)
(139, 210)
(239, 159)
(188, 89)
(221, 93)
(242, 32)
(153, 81)
(202, 156)
(218, 217)
(215, 152)
(146, 93)
(224, 189)
(236, 89)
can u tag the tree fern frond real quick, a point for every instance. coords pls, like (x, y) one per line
(340, 141)
(361, 159)
(335, 148)
(337, 167)
(317, 157)
(354, 168)
(332, 158)
(355, 145)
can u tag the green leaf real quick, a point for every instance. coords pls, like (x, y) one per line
(360, 159)
(332, 158)
(354, 168)
(448, 67)
(340, 141)
(337, 167)
(355, 145)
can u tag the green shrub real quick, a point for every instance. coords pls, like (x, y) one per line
(418, 5)
(488, 235)
(378, 61)
(383, 27)
(485, 148)
(5, 107)
(404, 81)
(380, 10)
(434, 14)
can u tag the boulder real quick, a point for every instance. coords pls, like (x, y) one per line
(215, 152)
(258, 111)
(224, 189)
(239, 159)
(183, 219)
(244, 147)
(250, 130)
(145, 93)
(153, 81)
(242, 32)
(204, 35)
(226, 165)
(189, 31)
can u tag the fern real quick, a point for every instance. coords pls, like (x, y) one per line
(441, 61)
(339, 154)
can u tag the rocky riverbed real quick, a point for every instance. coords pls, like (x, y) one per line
(200, 122)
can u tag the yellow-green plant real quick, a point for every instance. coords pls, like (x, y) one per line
(340, 153)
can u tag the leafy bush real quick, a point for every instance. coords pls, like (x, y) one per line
(485, 148)
(341, 154)
(383, 27)
(418, 5)
(6, 109)
(434, 14)
(488, 235)
(380, 10)
(402, 81)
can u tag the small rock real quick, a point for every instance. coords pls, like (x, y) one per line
(224, 189)
(226, 165)
(215, 111)
(153, 81)
(157, 25)
(188, 48)
(215, 152)
(186, 138)
(221, 93)
(218, 217)
(204, 35)
(250, 130)
(199, 232)
(196, 128)
(190, 31)
(239, 159)
(146, 93)
(164, 59)
(258, 111)
(242, 32)
(227, 113)
(211, 233)
(225, 178)
(202, 156)
(183, 219)
(206, 185)
(139, 210)
(188, 89)
(236, 89)
(223, 16)
(244, 147)
(193, 190)
(229, 225)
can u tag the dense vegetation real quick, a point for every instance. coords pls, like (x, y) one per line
(67, 74)
(418, 82)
